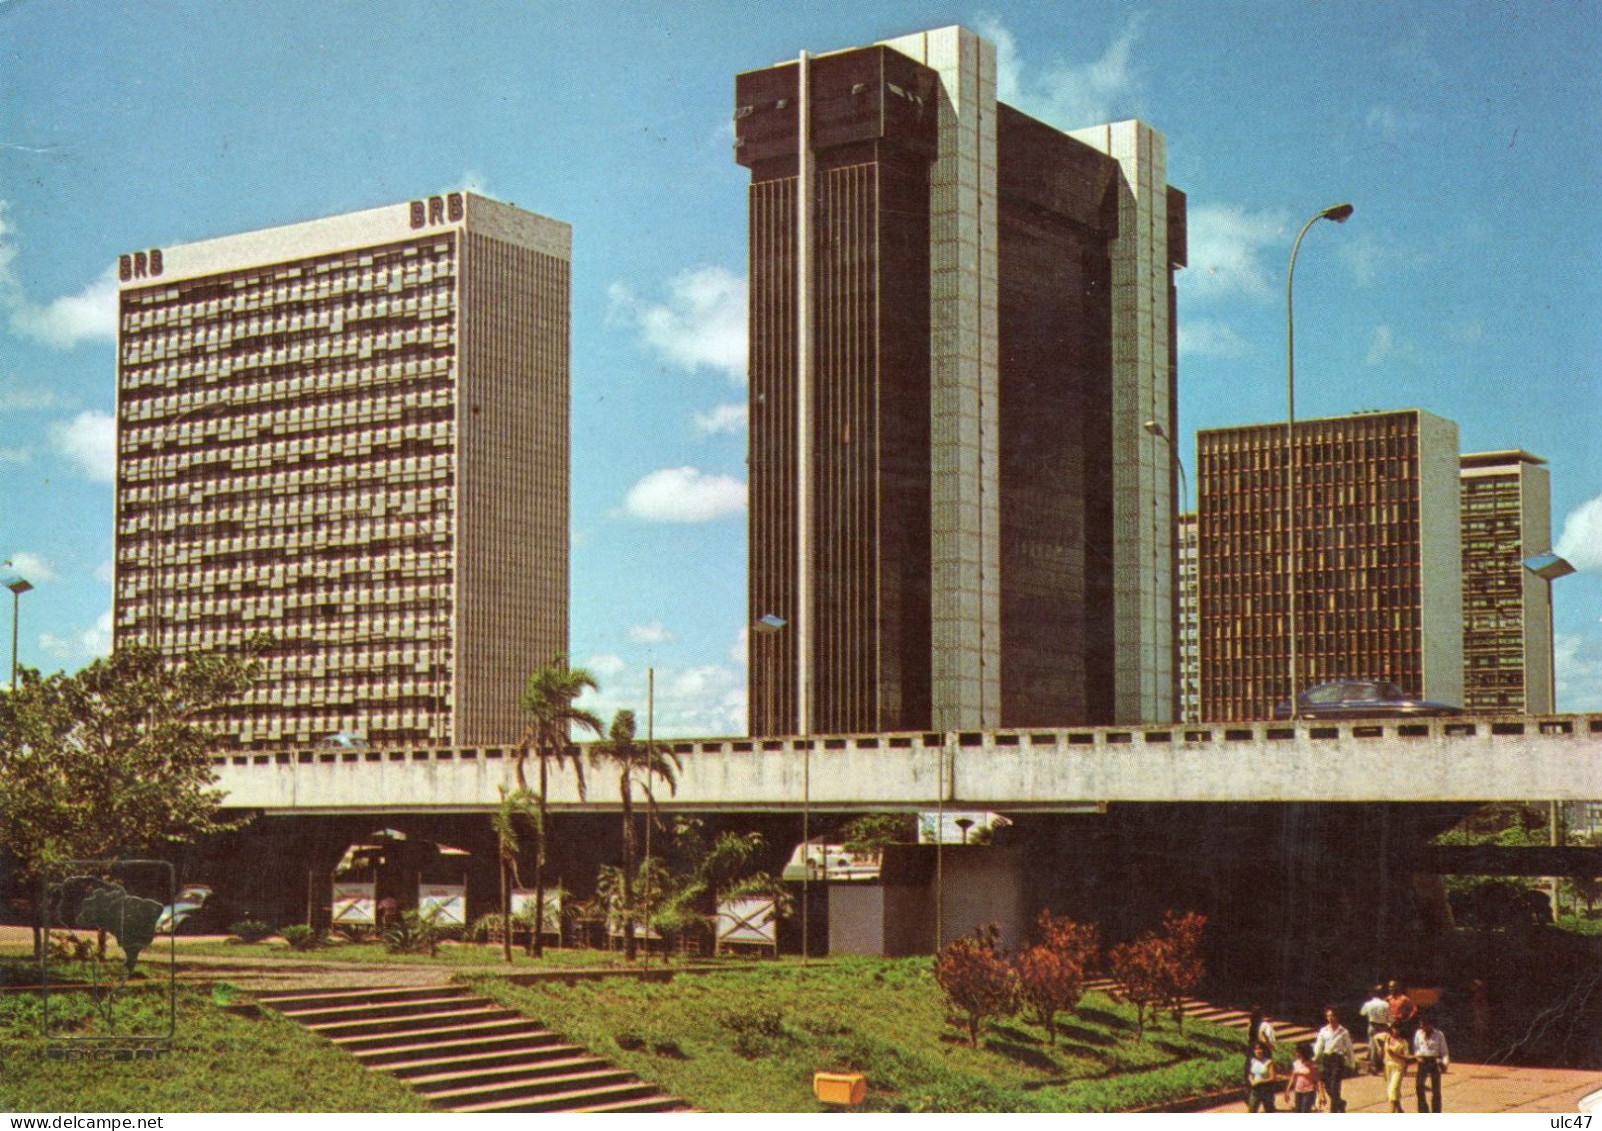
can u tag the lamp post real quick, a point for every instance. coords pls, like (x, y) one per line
(1548, 567)
(18, 586)
(770, 625)
(1339, 213)
(1155, 428)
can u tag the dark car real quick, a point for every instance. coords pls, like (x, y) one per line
(1362, 699)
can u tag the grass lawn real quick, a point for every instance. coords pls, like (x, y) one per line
(218, 1062)
(450, 954)
(750, 1041)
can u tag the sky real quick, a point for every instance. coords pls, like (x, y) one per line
(1468, 136)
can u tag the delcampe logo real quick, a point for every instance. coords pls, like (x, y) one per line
(107, 988)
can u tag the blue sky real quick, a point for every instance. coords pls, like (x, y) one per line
(1468, 135)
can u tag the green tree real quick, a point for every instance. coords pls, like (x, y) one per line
(518, 814)
(114, 759)
(550, 702)
(640, 763)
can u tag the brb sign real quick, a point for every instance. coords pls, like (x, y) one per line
(140, 265)
(448, 209)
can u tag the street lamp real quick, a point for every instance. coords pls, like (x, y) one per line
(1156, 429)
(18, 586)
(1339, 213)
(1548, 567)
(771, 624)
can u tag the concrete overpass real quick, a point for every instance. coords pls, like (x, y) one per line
(1460, 759)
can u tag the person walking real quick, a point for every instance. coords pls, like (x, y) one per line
(1303, 1078)
(1334, 1056)
(1430, 1051)
(1262, 1079)
(1404, 1013)
(1376, 1011)
(1259, 1031)
(1395, 1054)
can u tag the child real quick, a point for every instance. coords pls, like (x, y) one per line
(1303, 1078)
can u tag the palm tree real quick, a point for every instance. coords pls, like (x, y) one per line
(548, 700)
(631, 760)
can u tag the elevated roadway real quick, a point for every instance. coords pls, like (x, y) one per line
(1455, 760)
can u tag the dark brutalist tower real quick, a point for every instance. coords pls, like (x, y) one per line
(960, 323)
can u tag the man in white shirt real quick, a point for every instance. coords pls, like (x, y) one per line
(1377, 1012)
(1332, 1052)
(1432, 1057)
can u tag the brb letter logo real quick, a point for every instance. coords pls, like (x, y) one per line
(447, 209)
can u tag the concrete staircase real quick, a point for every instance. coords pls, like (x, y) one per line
(1286, 1034)
(465, 1053)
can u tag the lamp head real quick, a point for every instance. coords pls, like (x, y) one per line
(1339, 213)
(18, 585)
(768, 622)
(1155, 427)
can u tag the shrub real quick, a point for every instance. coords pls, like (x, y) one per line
(1049, 983)
(69, 948)
(758, 1032)
(354, 932)
(413, 933)
(251, 930)
(977, 980)
(299, 936)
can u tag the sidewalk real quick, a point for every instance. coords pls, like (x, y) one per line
(1476, 1089)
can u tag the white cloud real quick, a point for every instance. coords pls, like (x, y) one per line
(1068, 95)
(15, 455)
(91, 314)
(701, 325)
(15, 397)
(1392, 124)
(684, 494)
(30, 565)
(652, 633)
(106, 572)
(740, 653)
(472, 181)
(89, 440)
(1578, 663)
(604, 666)
(1208, 337)
(1228, 249)
(724, 419)
(1387, 345)
(705, 701)
(91, 642)
(1581, 542)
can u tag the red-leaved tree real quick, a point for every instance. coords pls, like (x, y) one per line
(1134, 966)
(977, 979)
(1080, 943)
(1050, 983)
(1179, 961)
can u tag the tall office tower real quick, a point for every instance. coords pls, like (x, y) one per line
(1378, 576)
(1189, 623)
(1507, 610)
(352, 433)
(960, 320)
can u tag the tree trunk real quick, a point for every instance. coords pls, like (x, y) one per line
(506, 909)
(630, 944)
(537, 944)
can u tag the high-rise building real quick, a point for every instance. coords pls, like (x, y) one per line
(1378, 576)
(1507, 610)
(1189, 623)
(960, 319)
(352, 433)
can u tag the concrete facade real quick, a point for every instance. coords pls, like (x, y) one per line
(1507, 610)
(973, 528)
(1441, 760)
(1377, 559)
(351, 433)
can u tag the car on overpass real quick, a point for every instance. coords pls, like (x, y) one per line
(1362, 699)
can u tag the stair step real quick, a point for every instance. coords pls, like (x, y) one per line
(415, 1022)
(535, 1088)
(406, 1058)
(576, 1100)
(652, 1103)
(397, 1041)
(375, 1011)
(518, 1072)
(348, 995)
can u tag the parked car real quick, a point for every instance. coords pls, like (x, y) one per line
(1362, 699)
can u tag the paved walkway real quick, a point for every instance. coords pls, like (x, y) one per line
(1476, 1088)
